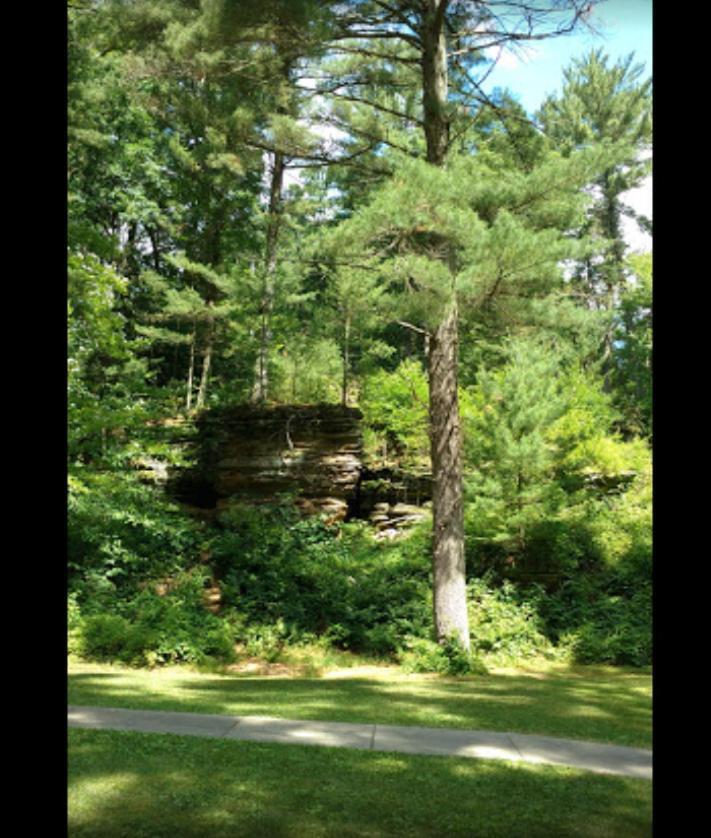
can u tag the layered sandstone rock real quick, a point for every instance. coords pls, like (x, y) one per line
(257, 454)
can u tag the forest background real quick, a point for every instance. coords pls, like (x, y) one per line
(203, 274)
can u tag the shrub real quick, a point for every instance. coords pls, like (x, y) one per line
(503, 624)
(154, 629)
(597, 625)
(363, 595)
(103, 636)
(450, 658)
(121, 532)
(601, 617)
(266, 641)
(178, 627)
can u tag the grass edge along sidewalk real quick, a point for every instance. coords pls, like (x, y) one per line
(515, 747)
(589, 704)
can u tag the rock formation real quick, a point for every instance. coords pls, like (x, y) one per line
(312, 453)
(257, 454)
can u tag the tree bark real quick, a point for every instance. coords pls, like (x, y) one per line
(346, 359)
(434, 82)
(449, 576)
(448, 567)
(191, 369)
(260, 390)
(206, 360)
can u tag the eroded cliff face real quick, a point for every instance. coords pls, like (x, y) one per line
(256, 454)
(313, 453)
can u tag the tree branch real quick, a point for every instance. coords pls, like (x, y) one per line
(414, 328)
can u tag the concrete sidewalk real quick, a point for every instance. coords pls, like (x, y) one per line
(517, 747)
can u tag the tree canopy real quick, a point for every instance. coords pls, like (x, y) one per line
(290, 201)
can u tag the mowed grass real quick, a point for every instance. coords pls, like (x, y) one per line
(602, 704)
(162, 785)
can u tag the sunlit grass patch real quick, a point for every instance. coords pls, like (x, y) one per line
(607, 706)
(173, 785)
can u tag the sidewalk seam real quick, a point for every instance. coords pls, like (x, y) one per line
(514, 746)
(633, 764)
(231, 728)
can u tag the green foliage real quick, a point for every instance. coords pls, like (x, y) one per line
(609, 105)
(600, 620)
(152, 629)
(507, 446)
(622, 527)
(292, 578)
(266, 642)
(395, 411)
(450, 658)
(600, 102)
(540, 450)
(104, 636)
(474, 230)
(503, 625)
(633, 357)
(307, 372)
(121, 532)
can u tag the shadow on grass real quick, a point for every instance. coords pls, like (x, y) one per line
(159, 785)
(571, 707)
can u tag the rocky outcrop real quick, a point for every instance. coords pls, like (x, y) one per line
(258, 454)
(393, 519)
(312, 453)
(392, 486)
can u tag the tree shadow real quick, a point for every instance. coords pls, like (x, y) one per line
(163, 785)
(569, 707)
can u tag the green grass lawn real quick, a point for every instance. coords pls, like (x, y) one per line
(602, 704)
(155, 785)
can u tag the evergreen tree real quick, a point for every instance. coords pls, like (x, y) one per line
(600, 103)
(509, 449)
(445, 40)
(632, 374)
(474, 236)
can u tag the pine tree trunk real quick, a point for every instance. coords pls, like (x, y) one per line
(206, 360)
(449, 577)
(434, 82)
(191, 371)
(346, 360)
(448, 569)
(260, 389)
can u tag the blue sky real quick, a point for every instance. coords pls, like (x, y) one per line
(625, 26)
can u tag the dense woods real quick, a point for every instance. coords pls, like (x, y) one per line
(287, 202)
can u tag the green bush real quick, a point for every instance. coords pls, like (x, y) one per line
(178, 625)
(599, 621)
(153, 629)
(288, 580)
(450, 658)
(502, 624)
(267, 641)
(363, 595)
(104, 636)
(120, 533)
